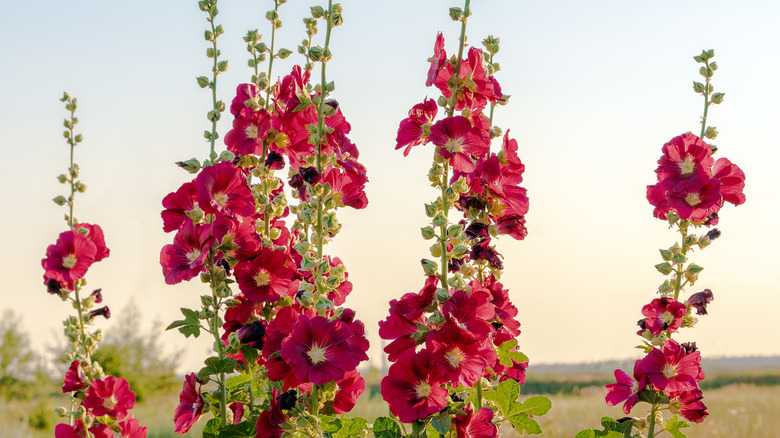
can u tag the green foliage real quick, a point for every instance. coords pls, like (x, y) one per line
(41, 416)
(386, 428)
(673, 426)
(518, 413)
(15, 353)
(189, 326)
(138, 356)
(612, 429)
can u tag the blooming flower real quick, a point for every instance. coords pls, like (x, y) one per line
(437, 61)
(411, 387)
(414, 130)
(317, 350)
(685, 164)
(183, 260)
(479, 425)
(69, 259)
(190, 404)
(268, 276)
(672, 370)
(459, 141)
(459, 355)
(110, 396)
(249, 128)
(627, 388)
(177, 205)
(689, 404)
(222, 189)
(663, 314)
(268, 423)
(74, 378)
(95, 235)
(130, 428)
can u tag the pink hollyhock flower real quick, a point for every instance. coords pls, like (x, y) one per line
(69, 259)
(470, 312)
(672, 371)
(685, 164)
(277, 331)
(74, 378)
(249, 128)
(245, 93)
(268, 276)
(478, 87)
(130, 428)
(504, 309)
(627, 388)
(101, 431)
(689, 404)
(411, 387)
(191, 404)
(243, 229)
(732, 181)
(317, 350)
(415, 129)
(663, 314)
(405, 316)
(358, 344)
(698, 204)
(437, 61)
(351, 186)
(177, 205)
(184, 260)
(350, 388)
(95, 235)
(479, 425)
(699, 301)
(238, 411)
(513, 225)
(268, 423)
(459, 141)
(459, 356)
(483, 251)
(67, 431)
(222, 189)
(110, 396)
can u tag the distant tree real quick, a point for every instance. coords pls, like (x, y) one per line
(138, 356)
(15, 353)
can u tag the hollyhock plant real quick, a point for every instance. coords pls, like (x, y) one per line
(691, 188)
(98, 402)
(273, 305)
(461, 326)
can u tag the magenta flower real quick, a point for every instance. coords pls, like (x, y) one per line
(101, 431)
(415, 129)
(689, 404)
(732, 180)
(437, 61)
(318, 350)
(190, 404)
(245, 93)
(68, 260)
(249, 128)
(685, 164)
(184, 260)
(672, 371)
(459, 141)
(268, 276)
(350, 388)
(110, 396)
(222, 189)
(627, 388)
(74, 378)
(95, 235)
(663, 314)
(269, 422)
(699, 301)
(411, 387)
(177, 205)
(67, 431)
(470, 312)
(459, 356)
(479, 425)
(130, 428)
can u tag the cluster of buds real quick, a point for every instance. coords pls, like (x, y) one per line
(456, 365)
(283, 330)
(691, 189)
(99, 403)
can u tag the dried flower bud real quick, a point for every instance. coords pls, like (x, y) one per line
(103, 311)
(699, 301)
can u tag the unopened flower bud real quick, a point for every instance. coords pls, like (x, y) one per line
(429, 266)
(103, 311)
(192, 165)
(711, 132)
(252, 334)
(698, 87)
(699, 301)
(717, 98)
(62, 178)
(690, 347)
(287, 400)
(97, 295)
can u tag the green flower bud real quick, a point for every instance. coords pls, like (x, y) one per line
(711, 132)
(459, 251)
(80, 187)
(717, 98)
(60, 200)
(430, 210)
(192, 165)
(427, 232)
(323, 304)
(664, 268)
(666, 254)
(678, 258)
(284, 53)
(429, 266)
(226, 156)
(698, 87)
(439, 220)
(456, 13)
(442, 295)
(317, 11)
(222, 65)
(436, 250)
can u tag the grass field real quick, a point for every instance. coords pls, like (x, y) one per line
(735, 411)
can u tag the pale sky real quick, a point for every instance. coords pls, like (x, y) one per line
(597, 88)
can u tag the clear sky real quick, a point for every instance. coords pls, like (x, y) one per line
(597, 88)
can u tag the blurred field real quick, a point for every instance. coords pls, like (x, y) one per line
(740, 410)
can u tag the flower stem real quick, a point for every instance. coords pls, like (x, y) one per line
(479, 395)
(706, 102)
(651, 431)
(315, 404)
(215, 71)
(271, 60)
(443, 229)
(217, 341)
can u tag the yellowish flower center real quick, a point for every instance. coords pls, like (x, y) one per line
(251, 131)
(221, 199)
(454, 358)
(110, 402)
(454, 145)
(192, 256)
(669, 371)
(422, 390)
(262, 277)
(692, 199)
(667, 318)
(687, 166)
(69, 261)
(316, 354)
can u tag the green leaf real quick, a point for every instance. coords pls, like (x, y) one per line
(215, 365)
(590, 433)
(504, 395)
(351, 427)
(442, 422)
(506, 355)
(673, 426)
(246, 429)
(250, 353)
(212, 428)
(236, 381)
(386, 428)
(612, 425)
(330, 425)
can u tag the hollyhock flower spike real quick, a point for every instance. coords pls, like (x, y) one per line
(97, 402)
(191, 405)
(691, 188)
(461, 326)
